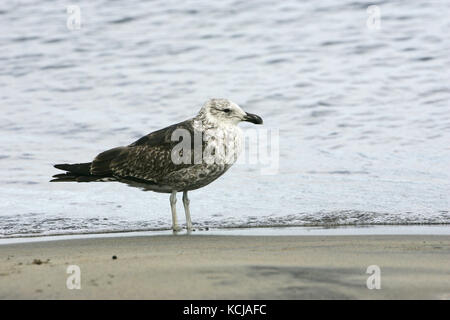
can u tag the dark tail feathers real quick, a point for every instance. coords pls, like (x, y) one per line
(80, 172)
(77, 168)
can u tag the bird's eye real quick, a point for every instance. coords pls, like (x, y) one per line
(226, 110)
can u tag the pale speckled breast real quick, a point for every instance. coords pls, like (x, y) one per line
(200, 175)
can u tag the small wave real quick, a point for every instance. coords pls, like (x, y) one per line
(33, 225)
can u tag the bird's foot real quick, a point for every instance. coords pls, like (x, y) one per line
(176, 228)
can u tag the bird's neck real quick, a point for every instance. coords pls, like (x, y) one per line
(223, 137)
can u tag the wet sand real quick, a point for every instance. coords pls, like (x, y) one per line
(229, 267)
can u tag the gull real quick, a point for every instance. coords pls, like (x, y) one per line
(179, 158)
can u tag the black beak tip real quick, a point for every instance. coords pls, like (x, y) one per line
(253, 118)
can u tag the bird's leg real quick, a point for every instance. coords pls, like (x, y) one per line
(187, 211)
(173, 206)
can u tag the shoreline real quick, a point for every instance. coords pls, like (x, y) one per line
(342, 230)
(228, 267)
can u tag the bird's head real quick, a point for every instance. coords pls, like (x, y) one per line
(224, 111)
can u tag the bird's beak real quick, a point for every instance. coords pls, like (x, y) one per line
(253, 118)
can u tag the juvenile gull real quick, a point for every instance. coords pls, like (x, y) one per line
(180, 158)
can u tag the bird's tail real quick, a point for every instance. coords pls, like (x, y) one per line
(79, 172)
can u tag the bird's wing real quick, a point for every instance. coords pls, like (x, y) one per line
(148, 158)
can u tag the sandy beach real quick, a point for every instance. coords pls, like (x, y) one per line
(228, 267)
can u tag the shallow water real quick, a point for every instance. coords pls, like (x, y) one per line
(363, 115)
